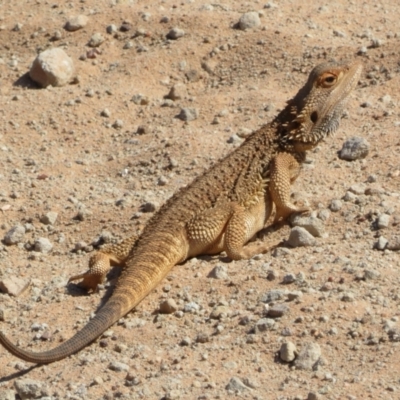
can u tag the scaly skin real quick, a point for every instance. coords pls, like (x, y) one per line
(221, 210)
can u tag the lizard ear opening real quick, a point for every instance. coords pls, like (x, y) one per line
(314, 117)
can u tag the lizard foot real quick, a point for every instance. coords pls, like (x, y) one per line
(282, 213)
(90, 281)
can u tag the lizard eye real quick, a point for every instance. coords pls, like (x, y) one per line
(328, 80)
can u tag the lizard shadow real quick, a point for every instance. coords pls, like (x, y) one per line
(18, 374)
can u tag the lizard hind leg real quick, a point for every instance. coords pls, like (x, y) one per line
(100, 263)
(99, 266)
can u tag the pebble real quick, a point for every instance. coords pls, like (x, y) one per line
(394, 244)
(219, 272)
(264, 324)
(309, 355)
(188, 114)
(76, 23)
(348, 297)
(383, 221)
(273, 295)
(288, 351)
(50, 218)
(177, 92)
(4, 314)
(14, 286)
(149, 206)
(220, 311)
(30, 389)
(277, 310)
(118, 124)
(111, 29)
(313, 396)
(52, 67)
(173, 394)
(168, 306)
(15, 235)
(381, 243)
(312, 224)
(186, 341)
(300, 237)
(96, 40)
(43, 245)
(336, 205)
(249, 20)
(236, 385)
(105, 113)
(118, 366)
(175, 33)
(140, 99)
(354, 148)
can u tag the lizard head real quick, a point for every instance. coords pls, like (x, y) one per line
(316, 110)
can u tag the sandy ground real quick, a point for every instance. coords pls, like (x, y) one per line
(59, 153)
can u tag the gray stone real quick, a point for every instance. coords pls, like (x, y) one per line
(177, 92)
(249, 20)
(96, 40)
(300, 237)
(43, 245)
(175, 33)
(76, 23)
(220, 311)
(218, 272)
(52, 67)
(348, 297)
(188, 114)
(336, 205)
(140, 99)
(50, 218)
(15, 235)
(14, 286)
(394, 244)
(111, 29)
(288, 352)
(168, 306)
(273, 295)
(312, 224)
(118, 366)
(236, 385)
(383, 221)
(264, 324)
(381, 243)
(313, 396)
(308, 356)
(354, 148)
(30, 389)
(277, 310)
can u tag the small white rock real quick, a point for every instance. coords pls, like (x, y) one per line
(249, 20)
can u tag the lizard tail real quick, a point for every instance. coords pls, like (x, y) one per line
(102, 320)
(142, 273)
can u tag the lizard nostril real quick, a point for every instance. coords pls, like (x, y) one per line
(314, 117)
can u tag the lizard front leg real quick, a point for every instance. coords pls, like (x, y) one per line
(100, 263)
(284, 171)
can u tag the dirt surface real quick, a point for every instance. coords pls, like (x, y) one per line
(59, 153)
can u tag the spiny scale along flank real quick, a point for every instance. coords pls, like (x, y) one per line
(221, 210)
